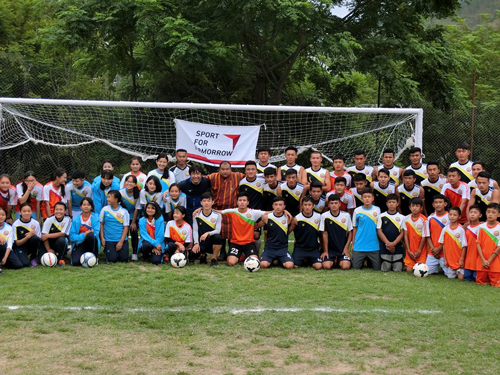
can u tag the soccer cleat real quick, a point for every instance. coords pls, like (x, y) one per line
(166, 259)
(34, 263)
(62, 263)
(134, 258)
(214, 263)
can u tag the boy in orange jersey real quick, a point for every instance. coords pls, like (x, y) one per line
(416, 231)
(243, 221)
(454, 245)
(488, 248)
(471, 258)
(437, 221)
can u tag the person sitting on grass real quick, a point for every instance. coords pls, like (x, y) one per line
(55, 233)
(26, 236)
(85, 232)
(416, 231)
(9, 258)
(152, 229)
(178, 234)
(276, 246)
(336, 231)
(390, 234)
(206, 231)
(454, 245)
(306, 229)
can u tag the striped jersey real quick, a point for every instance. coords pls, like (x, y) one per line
(292, 197)
(146, 197)
(319, 175)
(417, 229)
(113, 222)
(420, 173)
(262, 168)
(473, 184)
(285, 168)
(203, 224)
(381, 194)
(366, 170)
(430, 190)
(182, 234)
(130, 203)
(489, 239)
(365, 219)
(453, 240)
(319, 206)
(391, 225)
(20, 229)
(141, 179)
(405, 196)
(171, 203)
(180, 174)
(268, 195)
(358, 199)
(306, 232)
(76, 195)
(255, 190)
(277, 232)
(472, 260)
(242, 224)
(395, 173)
(52, 195)
(455, 195)
(436, 224)
(36, 195)
(465, 170)
(337, 228)
(166, 181)
(52, 225)
(484, 200)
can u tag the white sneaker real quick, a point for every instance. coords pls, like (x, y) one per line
(134, 258)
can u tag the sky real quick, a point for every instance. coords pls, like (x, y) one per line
(340, 11)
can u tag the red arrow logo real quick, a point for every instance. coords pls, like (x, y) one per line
(235, 138)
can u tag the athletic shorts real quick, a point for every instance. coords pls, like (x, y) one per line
(237, 250)
(434, 264)
(282, 256)
(421, 259)
(312, 256)
(469, 275)
(336, 259)
(488, 278)
(206, 247)
(391, 262)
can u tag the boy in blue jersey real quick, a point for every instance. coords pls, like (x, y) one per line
(76, 190)
(365, 244)
(276, 247)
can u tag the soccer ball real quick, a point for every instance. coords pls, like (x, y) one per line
(178, 260)
(420, 270)
(49, 260)
(252, 264)
(88, 260)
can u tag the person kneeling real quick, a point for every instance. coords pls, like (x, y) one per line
(152, 229)
(276, 247)
(206, 231)
(178, 237)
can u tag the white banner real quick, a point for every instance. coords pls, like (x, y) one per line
(212, 144)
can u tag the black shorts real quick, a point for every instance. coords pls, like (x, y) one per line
(206, 247)
(282, 256)
(237, 250)
(336, 259)
(312, 256)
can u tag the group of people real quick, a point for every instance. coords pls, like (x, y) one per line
(386, 217)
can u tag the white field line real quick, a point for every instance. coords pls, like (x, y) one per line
(222, 310)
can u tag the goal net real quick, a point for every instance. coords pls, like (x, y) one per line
(43, 134)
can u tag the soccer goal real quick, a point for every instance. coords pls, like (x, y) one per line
(42, 134)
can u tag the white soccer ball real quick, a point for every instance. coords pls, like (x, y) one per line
(420, 270)
(178, 260)
(252, 264)
(49, 260)
(88, 260)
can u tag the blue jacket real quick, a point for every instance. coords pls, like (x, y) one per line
(159, 233)
(100, 197)
(74, 233)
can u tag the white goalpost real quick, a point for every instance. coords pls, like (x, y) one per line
(39, 129)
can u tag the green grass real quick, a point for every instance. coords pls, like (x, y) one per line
(378, 323)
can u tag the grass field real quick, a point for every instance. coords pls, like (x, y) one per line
(142, 319)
